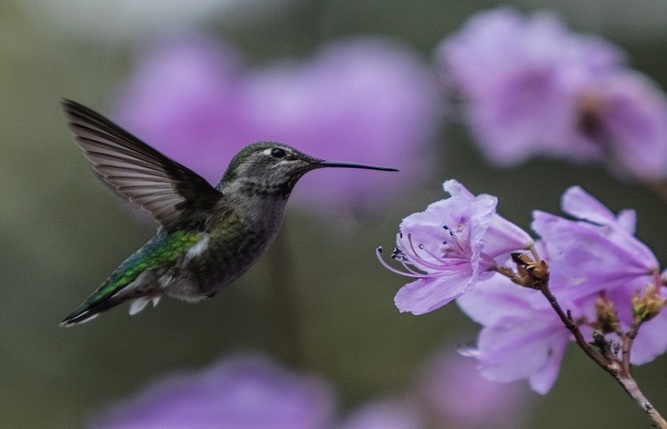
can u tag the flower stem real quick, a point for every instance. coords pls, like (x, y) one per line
(631, 388)
(606, 359)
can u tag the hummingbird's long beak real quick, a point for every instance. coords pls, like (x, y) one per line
(353, 165)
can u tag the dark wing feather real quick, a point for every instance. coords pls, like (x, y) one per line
(169, 191)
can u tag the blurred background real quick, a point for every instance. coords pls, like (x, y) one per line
(318, 303)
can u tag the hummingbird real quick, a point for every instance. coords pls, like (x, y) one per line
(207, 236)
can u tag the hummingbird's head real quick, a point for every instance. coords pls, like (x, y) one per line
(274, 168)
(269, 164)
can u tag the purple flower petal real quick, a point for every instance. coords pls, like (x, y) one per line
(456, 396)
(239, 393)
(580, 204)
(631, 116)
(501, 236)
(445, 248)
(522, 336)
(385, 414)
(496, 298)
(651, 341)
(517, 348)
(531, 87)
(595, 253)
(428, 294)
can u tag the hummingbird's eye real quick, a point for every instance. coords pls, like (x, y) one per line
(277, 152)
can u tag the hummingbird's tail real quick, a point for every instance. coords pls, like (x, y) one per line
(140, 292)
(85, 313)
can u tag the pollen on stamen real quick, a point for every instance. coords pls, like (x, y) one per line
(413, 257)
(398, 255)
(403, 260)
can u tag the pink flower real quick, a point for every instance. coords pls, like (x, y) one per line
(591, 257)
(531, 87)
(454, 394)
(384, 414)
(450, 246)
(597, 250)
(244, 392)
(521, 337)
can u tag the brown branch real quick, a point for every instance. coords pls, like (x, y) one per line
(606, 358)
(573, 328)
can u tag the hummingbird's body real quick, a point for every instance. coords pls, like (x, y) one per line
(208, 236)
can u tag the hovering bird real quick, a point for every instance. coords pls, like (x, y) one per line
(207, 236)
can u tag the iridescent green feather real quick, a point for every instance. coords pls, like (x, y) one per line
(159, 252)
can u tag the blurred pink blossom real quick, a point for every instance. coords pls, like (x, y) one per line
(454, 394)
(384, 414)
(532, 87)
(242, 392)
(363, 99)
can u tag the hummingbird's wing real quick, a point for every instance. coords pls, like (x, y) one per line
(170, 192)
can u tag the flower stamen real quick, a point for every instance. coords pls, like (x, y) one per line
(410, 273)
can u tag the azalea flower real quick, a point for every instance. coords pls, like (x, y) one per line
(242, 392)
(454, 395)
(521, 338)
(596, 250)
(531, 87)
(591, 257)
(384, 414)
(450, 246)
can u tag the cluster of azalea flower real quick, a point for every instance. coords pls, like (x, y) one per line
(593, 271)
